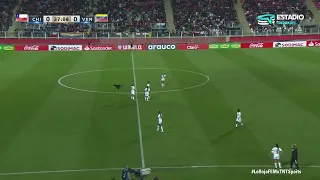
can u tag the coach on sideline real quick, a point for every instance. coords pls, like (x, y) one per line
(294, 157)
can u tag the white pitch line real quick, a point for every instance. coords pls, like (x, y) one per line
(138, 112)
(126, 93)
(172, 167)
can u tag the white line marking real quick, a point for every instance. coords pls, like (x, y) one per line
(105, 92)
(172, 167)
(138, 112)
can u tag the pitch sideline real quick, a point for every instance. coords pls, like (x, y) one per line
(117, 169)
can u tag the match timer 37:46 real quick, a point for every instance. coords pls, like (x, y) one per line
(61, 19)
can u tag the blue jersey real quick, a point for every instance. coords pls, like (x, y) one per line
(125, 173)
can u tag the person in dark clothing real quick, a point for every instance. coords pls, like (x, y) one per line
(131, 45)
(125, 173)
(118, 86)
(294, 157)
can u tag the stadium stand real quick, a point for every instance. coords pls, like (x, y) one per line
(204, 17)
(132, 16)
(6, 13)
(317, 4)
(255, 8)
(54, 7)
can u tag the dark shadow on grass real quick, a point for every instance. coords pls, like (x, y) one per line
(228, 133)
(222, 136)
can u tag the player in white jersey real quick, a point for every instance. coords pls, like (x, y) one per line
(148, 86)
(276, 151)
(163, 79)
(133, 92)
(132, 87)
(238, 120)
(146, 94)
(159, 126)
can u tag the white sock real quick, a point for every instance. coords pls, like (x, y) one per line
(162, 84)
(161, 129)
(145, 98)
(157, 127)
(241, 124)
(279, 164)
(236, 125)
(275, 165)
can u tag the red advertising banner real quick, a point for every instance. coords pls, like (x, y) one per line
(97, 48)
(128, 47)
(193, 46)
(313, 43)
(257, 45)
(31, 48)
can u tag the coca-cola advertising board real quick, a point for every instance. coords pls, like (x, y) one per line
(290, 44)
(128, 47)
(313, 43)
(193, 46)
(31, 48)
(97, 48)
(257, 45)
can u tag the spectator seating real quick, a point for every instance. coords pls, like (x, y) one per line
(132, 15)
(6, 13)
(54, 7)
(201, 16)
(255, 8)
(317, 4)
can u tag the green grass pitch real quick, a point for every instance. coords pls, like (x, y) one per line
(93, 127)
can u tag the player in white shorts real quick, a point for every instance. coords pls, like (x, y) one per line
(133, 92)
(159, 126)
(146, 94)
(238, 120)
(148, 86)
(163, 79)
(276, 151)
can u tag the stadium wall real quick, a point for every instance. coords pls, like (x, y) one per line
(180, 40)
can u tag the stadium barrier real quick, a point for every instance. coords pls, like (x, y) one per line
(150, 44)
(163, 40)
(142, 47)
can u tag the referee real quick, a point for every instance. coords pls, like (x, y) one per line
(294, 157)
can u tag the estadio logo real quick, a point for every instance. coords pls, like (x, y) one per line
(97, 48)
(193, 46)
(289, 44)
(313, 43)
(162, 47)
(257, 45)
(31, 47)
(65, 47)
(128, 47)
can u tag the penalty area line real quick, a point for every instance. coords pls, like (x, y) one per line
(169, 167)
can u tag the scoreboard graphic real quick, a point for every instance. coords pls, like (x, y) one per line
(31, 19)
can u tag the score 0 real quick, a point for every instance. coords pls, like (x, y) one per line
(47, 19)
(75, 19)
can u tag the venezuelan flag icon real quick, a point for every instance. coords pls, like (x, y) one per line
(101, 18)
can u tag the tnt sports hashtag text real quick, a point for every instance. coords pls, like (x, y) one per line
(275, 172)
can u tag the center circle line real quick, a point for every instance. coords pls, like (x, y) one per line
(125, 93)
